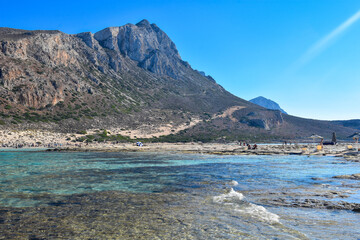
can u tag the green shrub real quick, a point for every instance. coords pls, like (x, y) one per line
(81, 132)
(81, 139)
(103, 134)
(60, 104)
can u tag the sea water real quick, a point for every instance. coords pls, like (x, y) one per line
(182, 195)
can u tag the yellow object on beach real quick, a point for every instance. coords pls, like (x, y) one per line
(349, 147)
(319, 147)
(304, 149)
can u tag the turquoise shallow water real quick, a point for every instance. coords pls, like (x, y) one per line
(67, 173)
(32, 179)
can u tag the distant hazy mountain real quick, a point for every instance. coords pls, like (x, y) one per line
(267, 103)
(353, 123)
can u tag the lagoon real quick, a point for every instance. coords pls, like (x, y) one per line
(172, 196)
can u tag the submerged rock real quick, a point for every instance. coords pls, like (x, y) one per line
(355, 176)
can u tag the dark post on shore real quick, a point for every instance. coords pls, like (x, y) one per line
(333, 137)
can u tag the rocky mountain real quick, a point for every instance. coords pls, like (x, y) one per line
(267, 103)
(130, 79)
(132, 72)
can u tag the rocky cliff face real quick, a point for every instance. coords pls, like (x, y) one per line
(33, 67)
(144, 43)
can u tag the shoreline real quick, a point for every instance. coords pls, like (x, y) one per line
(33, 140)
(339, 150)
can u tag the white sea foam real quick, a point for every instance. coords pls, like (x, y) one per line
(233, 183)
(237, 202)
(259, 212)
(229, 198)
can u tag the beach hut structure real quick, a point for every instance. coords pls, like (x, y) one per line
(315, 136)
(356, 136)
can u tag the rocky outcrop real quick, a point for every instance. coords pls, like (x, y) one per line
(267, 103)
(260, 119)
(144, 43)
(33, 66)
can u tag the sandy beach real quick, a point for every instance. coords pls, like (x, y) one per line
(65, 142)
(340, 150)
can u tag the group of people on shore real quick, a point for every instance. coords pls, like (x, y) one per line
(248, 145)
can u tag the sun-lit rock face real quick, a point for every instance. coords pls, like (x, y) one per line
(29, 63)
(144, 43)
(47, 47)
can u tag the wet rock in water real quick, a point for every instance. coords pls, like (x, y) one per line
(112, 215)
(314, 203)
(99, 215)
(352, 158)
(317, 179)
(355, 176)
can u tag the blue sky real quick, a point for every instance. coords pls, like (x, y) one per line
(303, 54)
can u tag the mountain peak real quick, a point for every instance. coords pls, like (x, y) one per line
(267, 103)
(261, 98)
(143, 23)
(145, 44)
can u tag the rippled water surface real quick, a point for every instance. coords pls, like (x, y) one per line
(172, 196)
